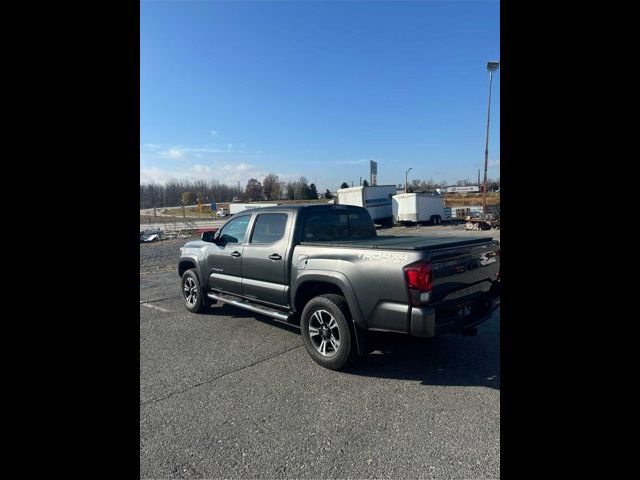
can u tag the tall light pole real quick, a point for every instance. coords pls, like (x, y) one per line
(491, 67)
(405, 179)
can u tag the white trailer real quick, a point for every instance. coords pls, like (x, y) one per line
(418, 208)
(376, 199)
(240, 207)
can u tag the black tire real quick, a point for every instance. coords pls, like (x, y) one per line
(434, 220)
(337, 307)
(190, 286)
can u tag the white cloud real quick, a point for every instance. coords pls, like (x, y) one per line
(173, 153)
(494, 163)
(203, 169)
(179, 152)
(156, 175)
(229, 173)
(214, 133)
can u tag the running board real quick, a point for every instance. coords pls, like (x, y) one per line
(269, 312)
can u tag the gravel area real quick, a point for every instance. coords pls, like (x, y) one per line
(161, 256)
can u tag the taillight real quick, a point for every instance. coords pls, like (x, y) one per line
(419, 278)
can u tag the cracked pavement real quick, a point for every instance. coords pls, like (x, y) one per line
(231, 394)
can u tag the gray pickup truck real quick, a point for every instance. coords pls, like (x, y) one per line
(325, 269)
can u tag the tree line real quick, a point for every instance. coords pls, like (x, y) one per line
(176, 192)
(271, 188)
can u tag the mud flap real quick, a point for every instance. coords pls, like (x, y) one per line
(362, 340)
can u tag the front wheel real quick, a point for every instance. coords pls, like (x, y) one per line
(326, 332)
(192, 292)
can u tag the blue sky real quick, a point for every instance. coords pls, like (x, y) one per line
(234, 90)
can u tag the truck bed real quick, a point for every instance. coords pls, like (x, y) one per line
(389, 242)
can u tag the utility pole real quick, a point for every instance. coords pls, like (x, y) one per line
(491, 67)
(360, 181)
(478, 177)
(406, 174)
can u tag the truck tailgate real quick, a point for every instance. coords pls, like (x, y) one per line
(464, 271)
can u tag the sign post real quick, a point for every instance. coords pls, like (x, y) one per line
(374, 172)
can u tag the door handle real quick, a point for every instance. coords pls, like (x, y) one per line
(235, 254)
(275, 256)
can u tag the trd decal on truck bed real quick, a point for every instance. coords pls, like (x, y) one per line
(387, 257)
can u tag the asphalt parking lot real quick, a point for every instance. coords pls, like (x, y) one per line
(231, 394)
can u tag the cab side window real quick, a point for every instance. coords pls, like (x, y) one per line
(233, 232)
(269, 228)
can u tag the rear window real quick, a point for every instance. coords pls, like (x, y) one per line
(323, 226)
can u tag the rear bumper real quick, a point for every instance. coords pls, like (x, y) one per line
(430, 321)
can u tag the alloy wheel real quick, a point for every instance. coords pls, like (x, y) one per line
(190, 291)
(324, 333)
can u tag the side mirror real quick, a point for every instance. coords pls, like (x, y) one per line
(209, 237)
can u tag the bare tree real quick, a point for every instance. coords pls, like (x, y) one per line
(170, 193)
(253, 190)
(291, 190)
(271, 187)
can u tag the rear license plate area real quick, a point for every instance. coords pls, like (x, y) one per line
(464, 310)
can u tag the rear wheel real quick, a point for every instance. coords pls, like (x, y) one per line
(192, 292)
(326, 331)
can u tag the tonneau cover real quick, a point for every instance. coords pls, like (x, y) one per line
(389, 242)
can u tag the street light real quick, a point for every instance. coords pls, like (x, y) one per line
(491, 67)
(405, 179)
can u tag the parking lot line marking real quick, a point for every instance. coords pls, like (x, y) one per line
(160, 299)
(157, 308)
